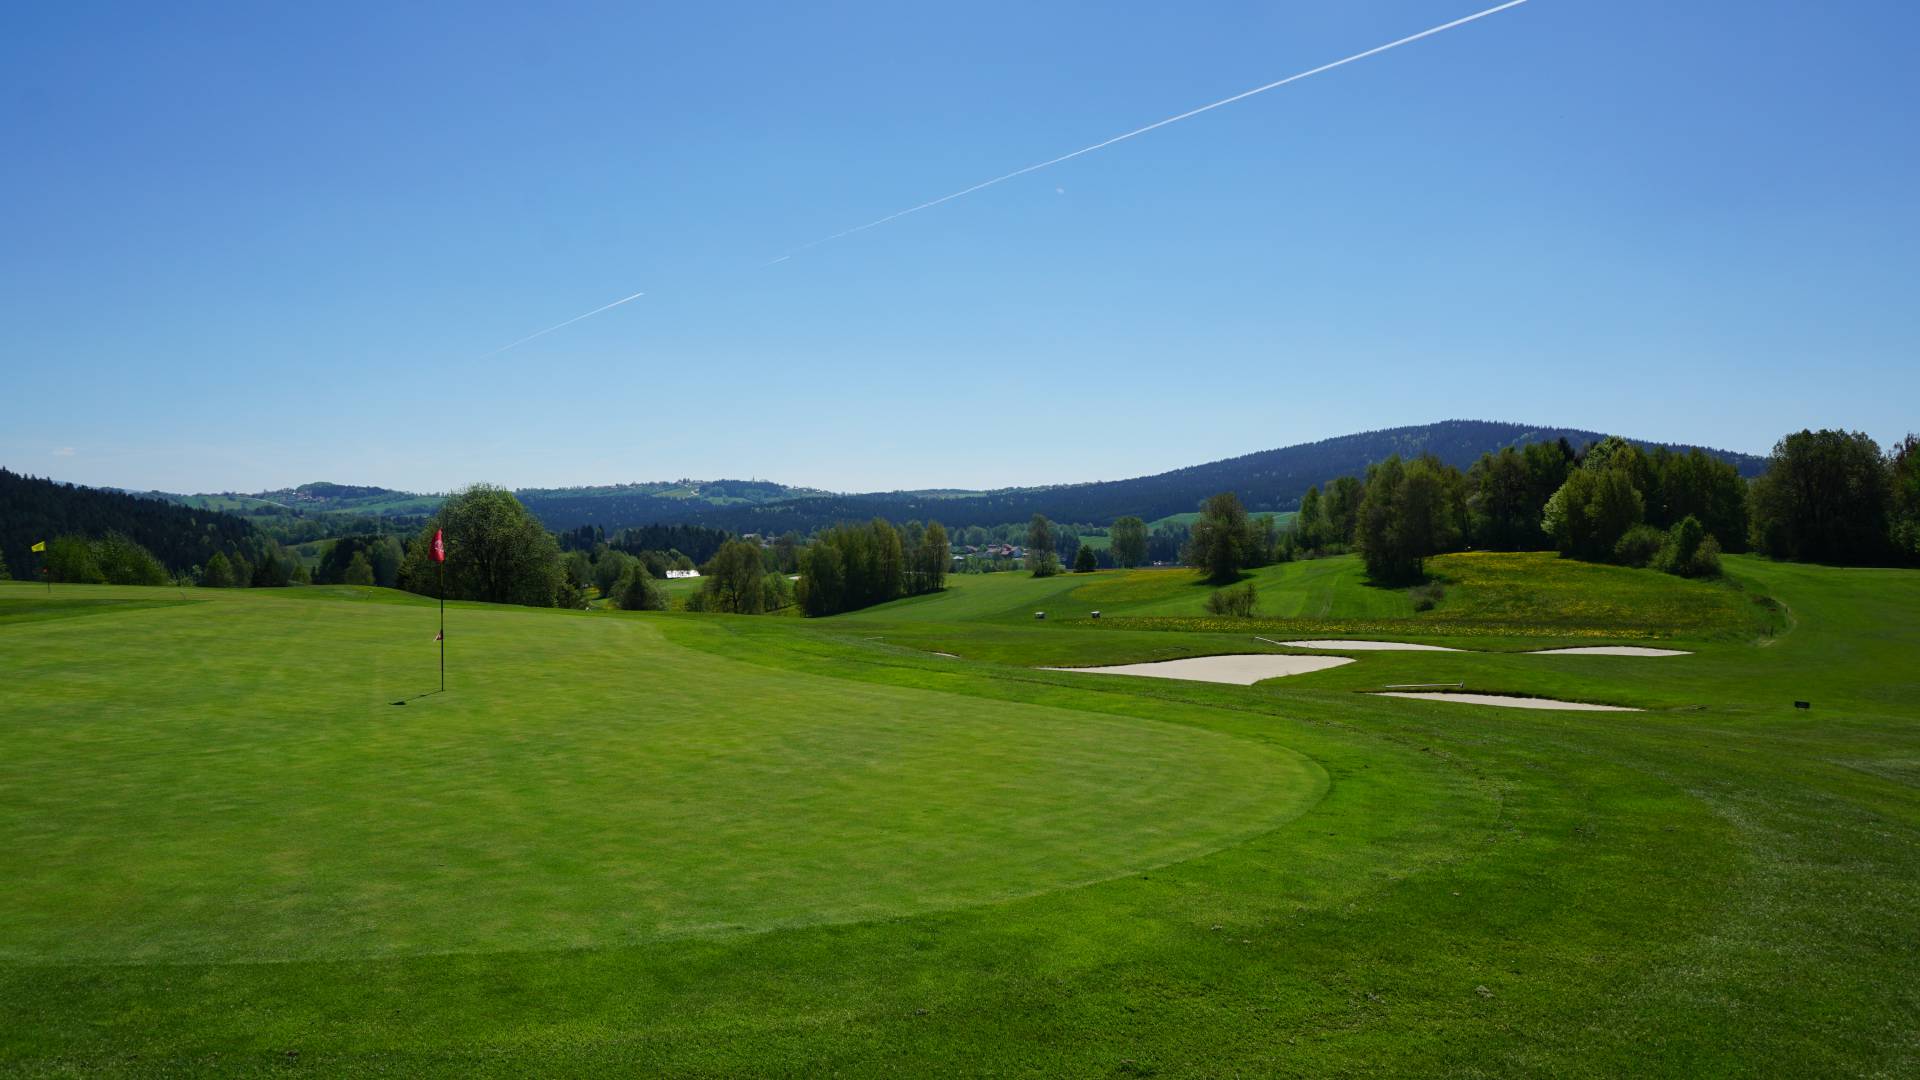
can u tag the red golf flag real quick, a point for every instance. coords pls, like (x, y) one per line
(439, 550)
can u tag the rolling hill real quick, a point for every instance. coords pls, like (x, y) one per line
(1267, 481)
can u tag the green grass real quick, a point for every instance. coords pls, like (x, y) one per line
(718, 846)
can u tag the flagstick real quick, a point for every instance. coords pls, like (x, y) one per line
(443, 626)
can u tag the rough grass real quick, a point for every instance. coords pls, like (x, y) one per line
(506, 881)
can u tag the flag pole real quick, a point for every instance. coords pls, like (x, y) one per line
(443, 626)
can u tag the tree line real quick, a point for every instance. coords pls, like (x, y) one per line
(848, 566)
(1829, 496)
(180, 539)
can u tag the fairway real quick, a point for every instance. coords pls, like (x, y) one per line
(721, 846)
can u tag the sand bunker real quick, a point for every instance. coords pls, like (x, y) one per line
(1357, 646)
(1611, 650)
(1242, 669)
(1509, 701)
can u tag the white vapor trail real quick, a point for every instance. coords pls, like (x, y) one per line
(1049, 163)
(1136, 132)
(569, 322)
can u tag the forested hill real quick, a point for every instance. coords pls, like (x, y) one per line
(32, 510)
(1270, 480)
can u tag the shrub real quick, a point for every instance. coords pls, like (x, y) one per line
(1641, 545)
(1426, 597)
(1705, 561)
(1235, 600)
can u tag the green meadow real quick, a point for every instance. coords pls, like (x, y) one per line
(244, 833)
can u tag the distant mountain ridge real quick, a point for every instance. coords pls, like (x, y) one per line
(1267, 481)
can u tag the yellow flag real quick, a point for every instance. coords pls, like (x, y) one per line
(41, 546)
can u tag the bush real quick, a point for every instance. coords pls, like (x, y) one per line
(1426, 597)
(1236, 600)
(1705, 561)
(1641, 545)
(1086, 561)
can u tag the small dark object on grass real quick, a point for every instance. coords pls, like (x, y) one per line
(1803, 704)
(396, 703)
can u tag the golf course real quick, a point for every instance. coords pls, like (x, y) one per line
(246, 832)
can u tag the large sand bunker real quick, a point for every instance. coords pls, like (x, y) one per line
(1366, 646)
(1242, 669)
(1509, 701)
(1611, 650)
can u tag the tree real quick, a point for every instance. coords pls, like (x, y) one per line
(359, 570)
(242, 571)
(776, 590)
(1066, 544)
(823, 579)
(497, 552)
(612, 570)
(1040, 554)
(636, 590)
(1129, 542)
(1086, 561)
(1340, 508)
(218, 574)
(1221, 540)
(1502, 503)
(1825, 497)
(71, 558)
(274, 570)
(1411, 510)
(734, 579)
(385, 555)
(123, 562)
(1701, 486)
(1311, 525)
(1903, 468)
(932, 559)
(1600, 502)
(786, 552)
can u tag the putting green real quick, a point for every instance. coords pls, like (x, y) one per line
(225, 779)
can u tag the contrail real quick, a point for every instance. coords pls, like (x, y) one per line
(1049, 163)
(569, 322)
(1136, 132)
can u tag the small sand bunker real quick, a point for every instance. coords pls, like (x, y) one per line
(1243, 669)
(1508, 701)
(1611, 650)
(1359, 646)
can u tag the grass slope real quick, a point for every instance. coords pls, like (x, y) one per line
(715, 846)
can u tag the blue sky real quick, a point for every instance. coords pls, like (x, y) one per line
(257, 245)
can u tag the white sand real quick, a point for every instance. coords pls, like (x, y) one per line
(1611, 650)
(1362, 646)
(948, 655)
(1510, 702)
(1242, 669)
